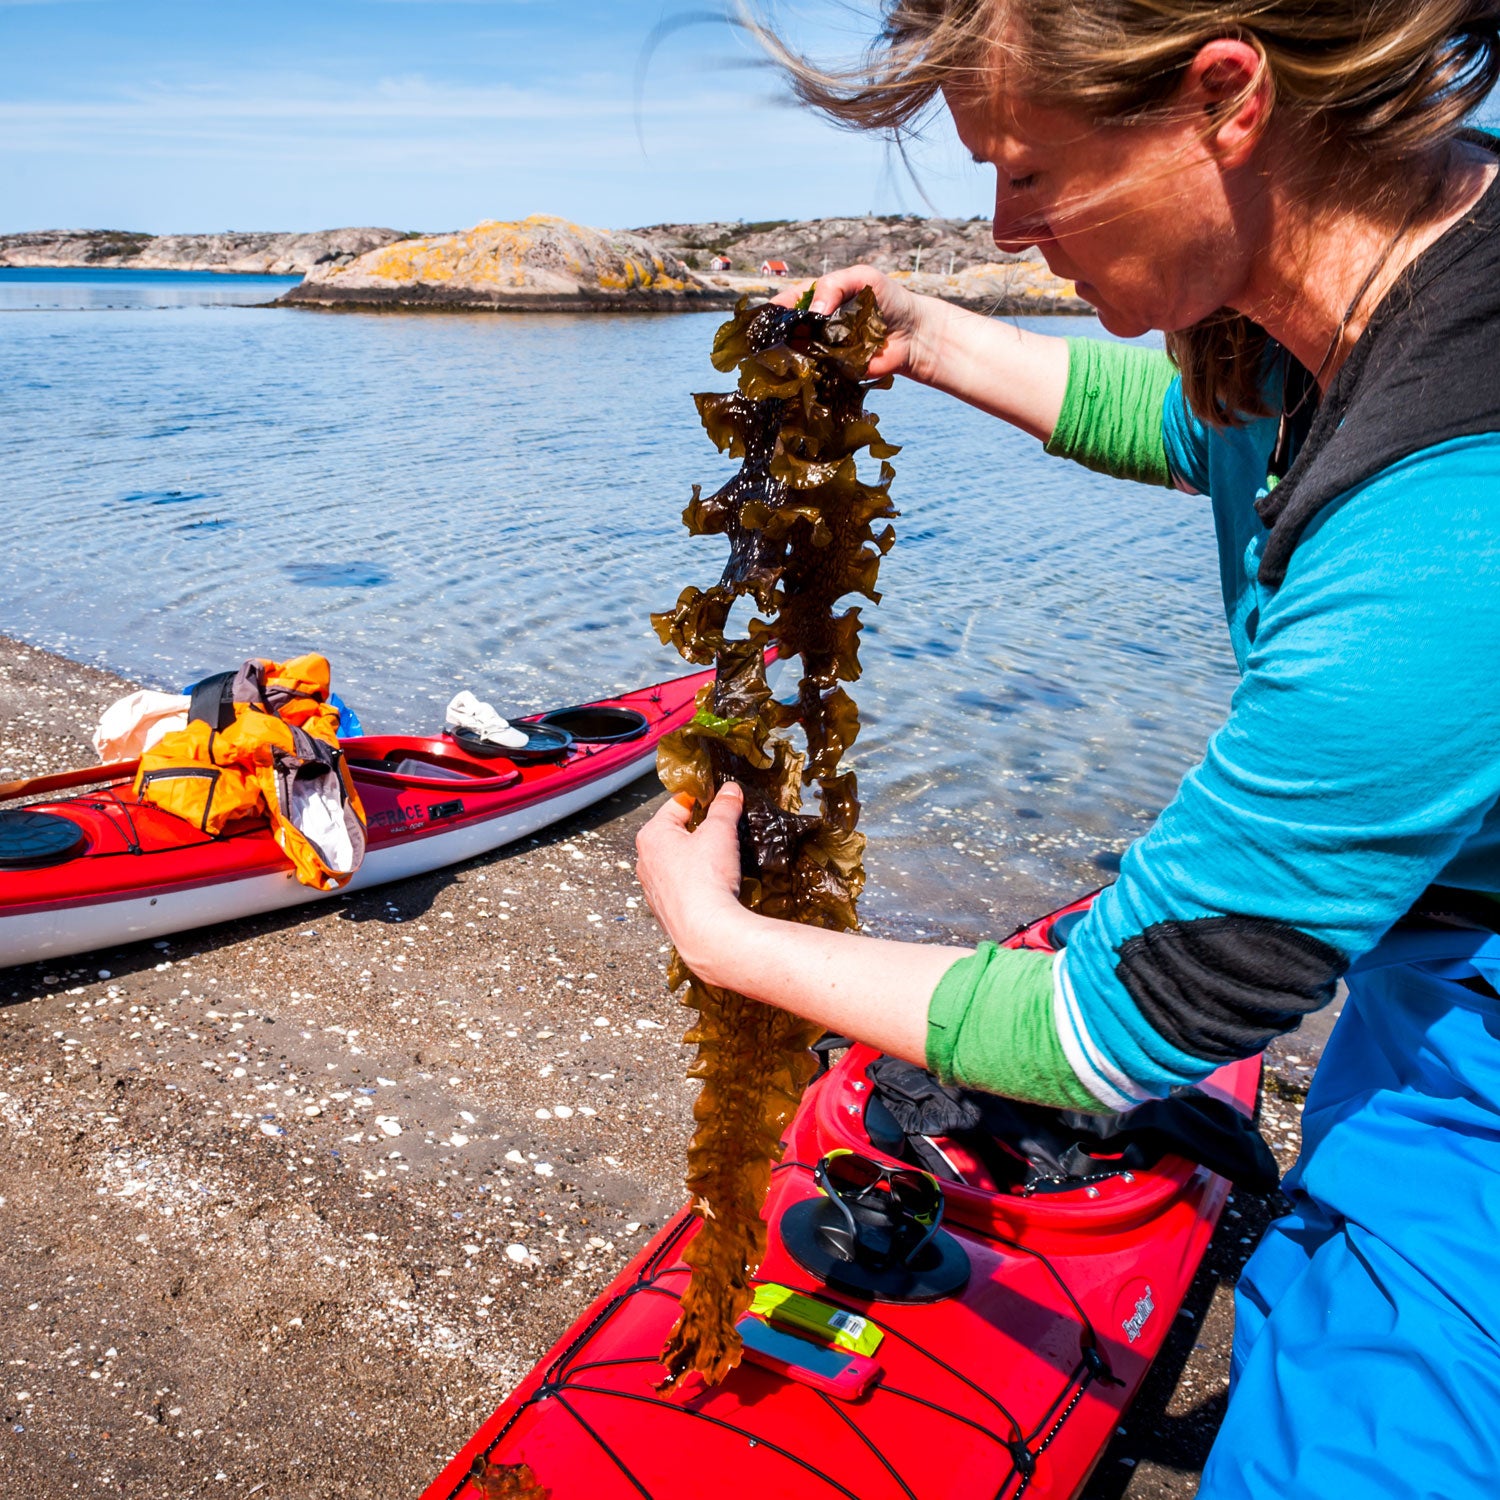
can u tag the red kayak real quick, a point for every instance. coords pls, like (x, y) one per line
(100, 868)
(1004, 1367)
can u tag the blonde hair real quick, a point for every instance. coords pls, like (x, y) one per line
(1366, 84)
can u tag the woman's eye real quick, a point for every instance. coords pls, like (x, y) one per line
(1020, 184)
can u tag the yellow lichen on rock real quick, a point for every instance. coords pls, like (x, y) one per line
(538, 261)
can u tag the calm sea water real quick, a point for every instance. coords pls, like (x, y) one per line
(67, 289)
(494, 502)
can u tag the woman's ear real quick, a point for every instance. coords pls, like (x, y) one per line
(1228, 88)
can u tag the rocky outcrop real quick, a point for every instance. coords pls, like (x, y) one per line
(270, 254)
(893, 242)
(1009, 289)
(540, 264)
(545, 264)
(955, 259)
(262, 253)
(67, 248)
(1012, 288)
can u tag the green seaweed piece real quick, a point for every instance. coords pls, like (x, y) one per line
(801, 529)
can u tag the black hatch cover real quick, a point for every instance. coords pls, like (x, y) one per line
(29, 840)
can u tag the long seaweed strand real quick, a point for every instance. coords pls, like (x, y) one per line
(497, 1481)
(802, 535)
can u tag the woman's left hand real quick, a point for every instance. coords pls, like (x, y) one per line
(858, 986)
(692, 880)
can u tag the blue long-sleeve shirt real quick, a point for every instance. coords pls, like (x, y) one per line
(1359, 764)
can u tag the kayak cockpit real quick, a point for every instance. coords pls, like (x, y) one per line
(427, 764)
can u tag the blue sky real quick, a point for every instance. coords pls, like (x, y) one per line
(170, 115)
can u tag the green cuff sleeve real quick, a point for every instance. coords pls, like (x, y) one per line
(1111, 412)
(990, 1027)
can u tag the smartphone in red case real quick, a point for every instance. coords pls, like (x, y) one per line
(824, 1368)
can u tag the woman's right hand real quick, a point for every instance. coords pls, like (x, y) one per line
(1014, 374)
(914, 323)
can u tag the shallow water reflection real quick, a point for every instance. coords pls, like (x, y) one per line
(493, 502)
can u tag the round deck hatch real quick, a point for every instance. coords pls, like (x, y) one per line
(601, 724)
(543, 743)
(29, 840)
(940, 1268)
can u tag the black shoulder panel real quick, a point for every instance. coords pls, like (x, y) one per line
(1426, 370)
(1222, 987)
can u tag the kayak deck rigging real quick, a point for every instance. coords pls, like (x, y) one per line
(1011, 1386)
(564, 1374)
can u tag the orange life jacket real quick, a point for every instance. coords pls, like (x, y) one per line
(263, 743)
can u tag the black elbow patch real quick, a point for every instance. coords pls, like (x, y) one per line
(1220, 988)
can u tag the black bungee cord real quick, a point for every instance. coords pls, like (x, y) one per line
(560, 1382)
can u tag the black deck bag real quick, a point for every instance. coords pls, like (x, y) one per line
(1029, 1148)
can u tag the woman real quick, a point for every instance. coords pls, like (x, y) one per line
(1281, 186)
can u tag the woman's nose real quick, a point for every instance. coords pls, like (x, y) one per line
(1013, 229)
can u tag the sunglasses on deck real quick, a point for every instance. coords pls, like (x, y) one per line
(907, 1199)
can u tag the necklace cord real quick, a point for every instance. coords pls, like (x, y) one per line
(1280, 460)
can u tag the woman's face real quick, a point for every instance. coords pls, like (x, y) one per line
(1143, 218)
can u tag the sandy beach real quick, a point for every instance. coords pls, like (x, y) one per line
(289, 1205)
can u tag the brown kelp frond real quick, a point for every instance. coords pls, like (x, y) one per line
(801, 528)
(508, 1482)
